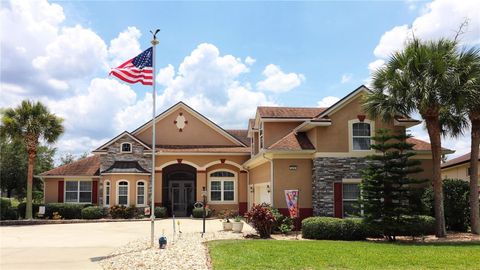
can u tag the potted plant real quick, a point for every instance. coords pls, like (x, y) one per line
(227, 225)
(237, 224)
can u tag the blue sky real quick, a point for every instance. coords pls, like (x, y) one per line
(222, 58)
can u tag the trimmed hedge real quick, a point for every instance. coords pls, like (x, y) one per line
(65, 210)
(198, 212)
(330, 228)
(121, 211)
(92, 212)
(160, 212)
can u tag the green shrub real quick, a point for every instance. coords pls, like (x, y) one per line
(121, 211)
(66, 210)
(21, 208)
(418, 226)
(335, 228)
(160, 212)
(7, 212)
(198, 212)
(92, 212)
(455, 201)
(281, 221)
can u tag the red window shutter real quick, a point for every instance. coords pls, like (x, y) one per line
(338, 200)
(60, 191)
(94, 192)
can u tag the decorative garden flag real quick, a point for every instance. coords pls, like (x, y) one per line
(292, 202)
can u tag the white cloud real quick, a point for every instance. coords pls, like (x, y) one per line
(278, 81)
(250, 61)
(346, 78)
(441, 18)
(91, 113)
(327, 101)
(125, 46)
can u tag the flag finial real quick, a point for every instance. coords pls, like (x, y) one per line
(155, 41)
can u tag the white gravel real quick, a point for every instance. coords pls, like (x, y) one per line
(186, 251)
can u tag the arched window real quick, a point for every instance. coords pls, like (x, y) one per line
(107, 193)
(361, 136)
(141, 193)
(222, 187)
(126, 147)
(122, 193)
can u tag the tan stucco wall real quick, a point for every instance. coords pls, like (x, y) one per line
(274, 131)
(457, 172)
(200, 161)
(260, 174)
(195, 132)
(335, 138)
(256, 143)
(132, 183)
(286, 179)
(427, 173)
(51, 189)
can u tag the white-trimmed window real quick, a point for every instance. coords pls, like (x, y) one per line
(78, 191)
(126, 147)
(141, 188)
(360, 134)
(222, 187)
(351, 195)
(122, 193)
(107, 193)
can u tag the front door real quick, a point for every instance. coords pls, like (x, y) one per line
(181, 196)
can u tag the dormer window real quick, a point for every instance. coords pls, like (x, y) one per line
(126, 147)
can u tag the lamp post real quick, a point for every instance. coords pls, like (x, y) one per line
(204, 195)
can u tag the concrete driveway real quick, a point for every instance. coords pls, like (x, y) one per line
(79, 246)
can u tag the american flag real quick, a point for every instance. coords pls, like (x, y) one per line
(137, 69)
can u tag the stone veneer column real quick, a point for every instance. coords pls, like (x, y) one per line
(325, 172)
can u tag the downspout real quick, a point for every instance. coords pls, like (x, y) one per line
(271, 179)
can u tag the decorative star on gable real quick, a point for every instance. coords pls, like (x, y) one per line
(180, 122)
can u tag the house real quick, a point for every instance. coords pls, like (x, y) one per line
(320, 151)
(458, 168)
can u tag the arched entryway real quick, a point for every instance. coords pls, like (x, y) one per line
(179, 188)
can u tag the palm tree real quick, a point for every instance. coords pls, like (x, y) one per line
(467, 106)
(31, 122)
(418, 79)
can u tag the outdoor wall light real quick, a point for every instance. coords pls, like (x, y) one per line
(292, 167)
(268, 188)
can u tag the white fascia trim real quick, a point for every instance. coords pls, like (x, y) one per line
(307, 125)
(118, 137)
(335, 107)
(406, 124)
(198, 154)
(197, 115)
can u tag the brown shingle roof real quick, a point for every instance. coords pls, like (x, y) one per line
(288, 112)
(240, 134)
(458, 160)
(422, 145)
(293, 142)
(89, 166)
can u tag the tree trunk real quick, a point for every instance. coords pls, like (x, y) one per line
(32, 152)
(433, 127)
(475, 144)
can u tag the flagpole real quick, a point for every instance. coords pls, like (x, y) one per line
(154, 95)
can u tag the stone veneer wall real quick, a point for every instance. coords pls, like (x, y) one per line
(326, 171)
(113, 154)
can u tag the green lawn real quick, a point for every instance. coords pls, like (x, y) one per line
(276, 254)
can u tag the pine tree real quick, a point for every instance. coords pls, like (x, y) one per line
(387, 186)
